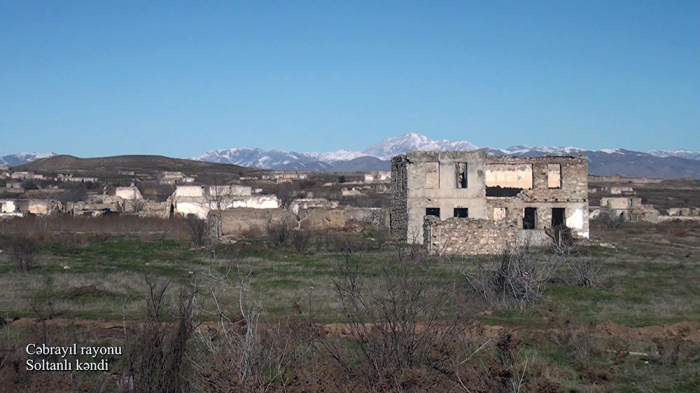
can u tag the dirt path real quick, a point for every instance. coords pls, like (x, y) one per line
(686, 330)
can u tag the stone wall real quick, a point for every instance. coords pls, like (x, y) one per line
(684, 211)
(230, 191)
(148, 208)
(189, 191)
(398, 215)
(465, 236)
(243, 221)
(375, 216)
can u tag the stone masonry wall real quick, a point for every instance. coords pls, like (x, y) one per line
(464, 236)
(398, 216)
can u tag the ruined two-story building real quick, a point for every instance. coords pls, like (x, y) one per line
(470, 203)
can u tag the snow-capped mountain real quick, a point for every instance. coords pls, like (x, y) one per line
(522, 150)
(23, 158)
(392, 146)
(657, 163)
(265, 159)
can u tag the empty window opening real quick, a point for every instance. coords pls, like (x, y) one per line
(499, 191)
(529, 218)
(554, 176)
(433, 211)
(558, 216)
(461, 173)
(509, 176)
(461, 212)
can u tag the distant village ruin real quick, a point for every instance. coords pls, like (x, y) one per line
(450, 202)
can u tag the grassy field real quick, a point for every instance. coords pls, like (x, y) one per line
(574, 338)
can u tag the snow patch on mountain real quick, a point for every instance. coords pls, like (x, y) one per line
(682, 153)
(339, 155)
(23, 158)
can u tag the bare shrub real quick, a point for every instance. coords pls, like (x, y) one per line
(584, 269)
(23, 251)
(578, 341)
(197, 230)
(156, 353)
(675, 350)
(503, 373)
(41, 223)
(300, 240)
(278, 232)
(607, 221)
(397, 324)
(240, 355)
(379, 237)
(514, 279)
(155, 297)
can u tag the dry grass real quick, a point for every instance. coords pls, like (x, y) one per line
(651, 283)
(175, 228)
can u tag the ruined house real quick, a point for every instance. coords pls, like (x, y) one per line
(467, 202)
(43, 207)
(199, 200)
(175, 177)
(682, 213)
(14, 187)
(377, 177)
(300, 204)
(96, 205)
(23, 175)
(129, 193)
(70, 178)
(626, 209)
(9, 208)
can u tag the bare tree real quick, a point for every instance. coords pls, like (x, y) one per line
(300, 240)
(285, 193)
(221, 195)
(22, 251)
(197, 229)
(278, 231)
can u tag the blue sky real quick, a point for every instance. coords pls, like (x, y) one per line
(100, 78)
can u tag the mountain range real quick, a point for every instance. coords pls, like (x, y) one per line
(605, 162)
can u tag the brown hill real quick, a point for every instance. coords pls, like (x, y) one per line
(137, 163)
